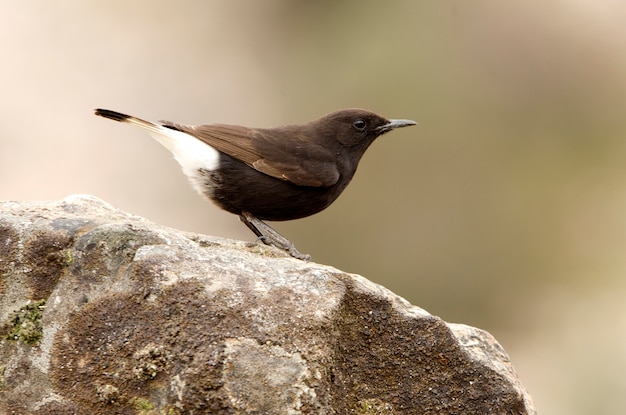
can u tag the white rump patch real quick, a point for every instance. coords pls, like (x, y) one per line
(191, 153)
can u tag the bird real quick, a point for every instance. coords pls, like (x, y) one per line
(270, 174)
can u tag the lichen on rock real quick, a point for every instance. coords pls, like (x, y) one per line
(25, 323)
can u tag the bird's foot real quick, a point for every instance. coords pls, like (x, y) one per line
(269, 236)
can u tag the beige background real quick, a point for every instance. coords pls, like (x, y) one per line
(504, 209)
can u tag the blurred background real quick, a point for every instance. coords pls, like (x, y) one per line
(505, 208)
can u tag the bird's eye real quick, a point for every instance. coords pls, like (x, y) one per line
(359, 124)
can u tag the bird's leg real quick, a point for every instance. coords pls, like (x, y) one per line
(269, 236)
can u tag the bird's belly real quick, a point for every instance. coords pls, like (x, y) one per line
(237, 188)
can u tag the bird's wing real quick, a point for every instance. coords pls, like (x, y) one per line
(298, 161)
(303, 163)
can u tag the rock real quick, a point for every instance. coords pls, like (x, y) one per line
(102, 312)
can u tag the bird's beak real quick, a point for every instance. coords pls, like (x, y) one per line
(392, 124)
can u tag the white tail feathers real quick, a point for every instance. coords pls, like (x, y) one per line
(191, 153)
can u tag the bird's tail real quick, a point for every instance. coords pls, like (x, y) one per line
(191, 153)
(118, 116)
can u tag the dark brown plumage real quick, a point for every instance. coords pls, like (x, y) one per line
(273, 174)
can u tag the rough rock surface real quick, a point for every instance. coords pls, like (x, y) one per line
(102, 312)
